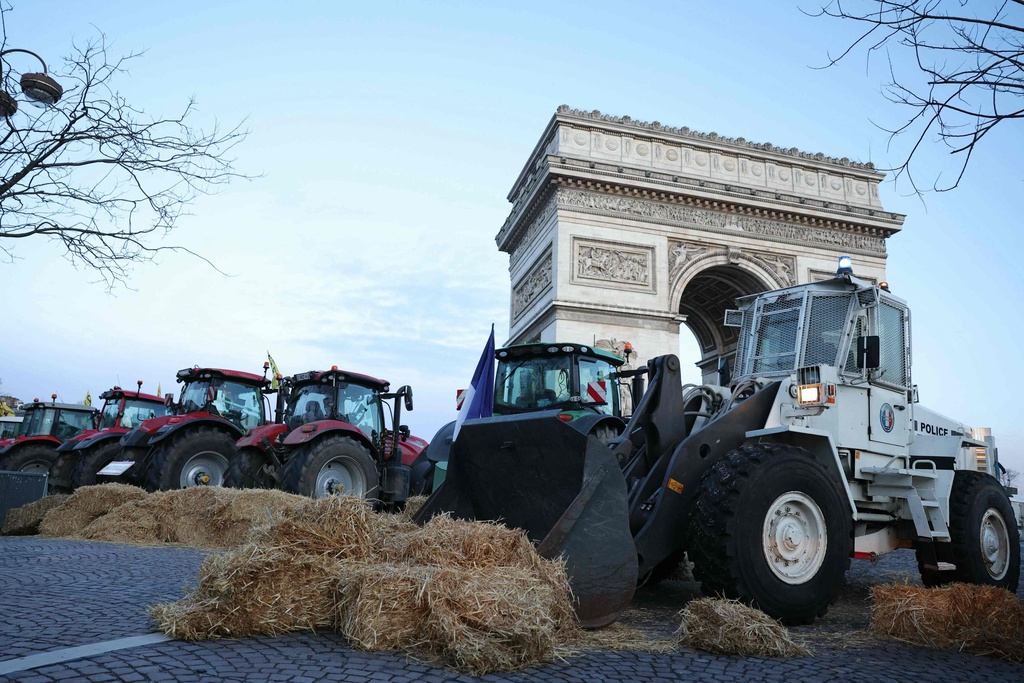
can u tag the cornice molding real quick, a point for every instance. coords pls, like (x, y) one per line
(685, 132)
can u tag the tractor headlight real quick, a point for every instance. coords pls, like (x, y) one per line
(809, 395)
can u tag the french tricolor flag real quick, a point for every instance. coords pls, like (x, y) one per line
(479, 398)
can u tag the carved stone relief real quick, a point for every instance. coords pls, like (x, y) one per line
(683, 254)
(615, 264)
(646, 208)
(532, 286)
(538, 223)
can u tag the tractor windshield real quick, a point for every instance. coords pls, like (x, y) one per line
(71, 423)
(352, 403)
(136, 411)
(38, 422)
(537, 383)
(195, 395)
(309, 403)
(240, 404)
(108, 418)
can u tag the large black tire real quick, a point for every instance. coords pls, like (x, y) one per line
(63, 467)
(772, 527)
(92, 461)
(331, 466)
(247, 470)
(33, 458)
(194, 457)
(984, 538)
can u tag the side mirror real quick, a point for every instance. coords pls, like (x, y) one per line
(406, 392)
(724, 375)
(169, 400)
(868, 353)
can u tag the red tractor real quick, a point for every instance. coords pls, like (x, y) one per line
(331, 438)
(79, 458)
(45, 427)
(193, 444)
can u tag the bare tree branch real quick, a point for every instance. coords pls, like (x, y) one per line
(970, 60)
(98, 176)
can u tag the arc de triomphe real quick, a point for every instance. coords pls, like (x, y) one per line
(622, 230)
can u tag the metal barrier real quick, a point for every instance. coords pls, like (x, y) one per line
(20, 488)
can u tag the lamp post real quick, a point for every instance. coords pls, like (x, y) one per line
(36, 86)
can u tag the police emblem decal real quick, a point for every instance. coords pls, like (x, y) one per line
(887, 417)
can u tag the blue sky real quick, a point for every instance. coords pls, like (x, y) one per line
(387, 136)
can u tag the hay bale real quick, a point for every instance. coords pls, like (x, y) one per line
(478, 620)
(344, 527)
(200, 517)
(412, 506)
(85, 505)
(385, 584)
(446, 542)
(730, 627)
(25, 520)
(984, 620)
(254, 591)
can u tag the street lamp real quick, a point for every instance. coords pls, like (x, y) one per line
(36, 86)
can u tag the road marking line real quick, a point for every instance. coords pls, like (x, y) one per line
(66, 654)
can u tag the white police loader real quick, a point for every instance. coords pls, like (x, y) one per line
(816, 451)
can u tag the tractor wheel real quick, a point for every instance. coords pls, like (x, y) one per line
(984, 537)
(92, 461)
(195, 457)
(772, 528)
(35, 458)
(247, 471)
(335, 465)
(61, 470)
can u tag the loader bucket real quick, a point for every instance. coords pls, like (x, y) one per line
(564, 488)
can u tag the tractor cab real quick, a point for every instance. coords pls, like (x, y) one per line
(59, 421)
(237, 397)
(10, 426)
(124, 409)
(570, 377)
(336, 395)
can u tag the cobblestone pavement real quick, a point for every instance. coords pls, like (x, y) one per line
(57, 594)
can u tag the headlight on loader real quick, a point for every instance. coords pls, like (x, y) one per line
(809, 395)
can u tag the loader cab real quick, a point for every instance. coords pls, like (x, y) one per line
(571, 377)
(819, 324)
(840, 341)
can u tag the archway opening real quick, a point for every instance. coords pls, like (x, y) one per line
(704, 302)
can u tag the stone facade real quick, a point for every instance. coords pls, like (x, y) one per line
(625, 230)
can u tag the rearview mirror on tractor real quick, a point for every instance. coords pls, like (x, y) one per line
(169, 400)
(406, 392)
(868, 353)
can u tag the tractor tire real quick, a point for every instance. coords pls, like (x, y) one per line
(984, 538)
(35, 458)
(61, 470)
(194, 457)
(92, 461)
(247, 471)
(772, 527)
(331, 466)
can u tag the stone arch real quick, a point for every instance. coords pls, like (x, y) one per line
(709, 284)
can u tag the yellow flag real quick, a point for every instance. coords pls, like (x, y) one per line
(158, 394)
(5, 410)
(274, 382)
(88, 399)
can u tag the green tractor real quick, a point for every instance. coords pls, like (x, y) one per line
(578, 383)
